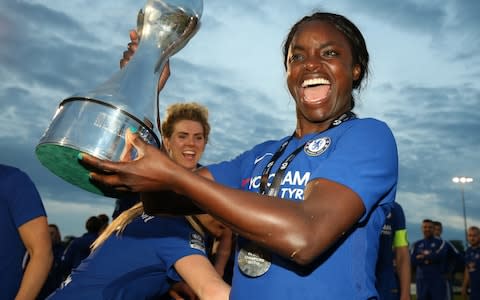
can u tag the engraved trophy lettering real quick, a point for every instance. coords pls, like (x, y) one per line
(95, 122)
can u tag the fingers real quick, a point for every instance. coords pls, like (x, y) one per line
(136, 142)
(105, 174)
(96, 164)
(134, 36)
(127, 55)
(131, 49)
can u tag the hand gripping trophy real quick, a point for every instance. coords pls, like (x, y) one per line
(95, 122)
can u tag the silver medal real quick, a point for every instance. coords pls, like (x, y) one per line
(253, 260)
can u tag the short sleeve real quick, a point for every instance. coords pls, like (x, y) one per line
(398, 217)
(364, 159)
(23, 197)
(400, 236)
(181, 241)
(231, 173)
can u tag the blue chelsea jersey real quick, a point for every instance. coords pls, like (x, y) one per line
(360, 154)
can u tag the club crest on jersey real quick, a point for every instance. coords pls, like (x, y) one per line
(197, 242)
(317, 146)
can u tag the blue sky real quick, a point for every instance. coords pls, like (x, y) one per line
(424, 83)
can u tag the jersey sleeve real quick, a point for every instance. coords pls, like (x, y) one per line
(364, 159)
(400, 237)
(236, 172)
(182, 241)
(23, 197)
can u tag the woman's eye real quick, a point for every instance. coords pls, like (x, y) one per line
(330, 53)
(295, 58)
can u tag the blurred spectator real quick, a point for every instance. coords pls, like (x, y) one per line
(124, 203)
(428, 257)
(453, 257)
(67, 240)
(24, 227)
(55, 276)
(393, 269)
(471, 275)
(104, 219)
(79, 248)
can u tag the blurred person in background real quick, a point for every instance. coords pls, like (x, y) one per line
(393, 270)
(452, 258)
(79, 248)
(471, 276)
(428, 257)
(55, 276)
(24, 236)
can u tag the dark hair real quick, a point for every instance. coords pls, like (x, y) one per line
(93, 224)
(427, 221)
(350, 31)
(437, 223)
(103, 218)
(54, 226)
(57, 238)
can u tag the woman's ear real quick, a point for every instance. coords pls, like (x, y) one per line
(357, 70)
(166, 145)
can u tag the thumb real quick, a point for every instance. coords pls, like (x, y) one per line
(134, 140)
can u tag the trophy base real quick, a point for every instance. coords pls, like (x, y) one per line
(93, 127)
(63, 162)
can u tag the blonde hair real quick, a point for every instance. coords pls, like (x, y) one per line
(119, 224)
(185, 111)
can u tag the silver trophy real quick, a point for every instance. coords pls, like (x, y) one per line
(95, 122)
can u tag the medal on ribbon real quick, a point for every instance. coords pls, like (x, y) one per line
(253, 260)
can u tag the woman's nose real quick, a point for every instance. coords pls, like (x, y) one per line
(311, 64)
(190, 141)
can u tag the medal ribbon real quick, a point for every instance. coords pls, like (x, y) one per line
(277, 179)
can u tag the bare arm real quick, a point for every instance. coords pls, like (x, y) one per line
(36, 238)
(223, 251)
(402, 258)
(203, 279)
(465, 283)
(299, 230)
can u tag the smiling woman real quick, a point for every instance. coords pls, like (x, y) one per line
(185, 133)
(309, 207)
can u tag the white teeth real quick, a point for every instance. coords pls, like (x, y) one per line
(189, 152)
(315, 81)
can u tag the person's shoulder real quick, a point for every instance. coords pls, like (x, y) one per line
(270, 142)
(265, 146)
(11, 171)
(439, 241)
(418, 242)
(396, 206)
(371, 123)
(372, 133)
(367, 128)
(7, 169)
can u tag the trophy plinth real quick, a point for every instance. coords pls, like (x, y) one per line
(95, 122)
(89, 126)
